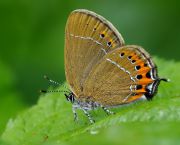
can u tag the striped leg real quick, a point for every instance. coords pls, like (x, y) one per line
(89, 116)
(75, 113)
(108, 112)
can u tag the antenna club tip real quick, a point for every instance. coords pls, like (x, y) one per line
(168, 80)
(43, 91)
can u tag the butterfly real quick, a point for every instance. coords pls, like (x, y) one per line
(100, 69)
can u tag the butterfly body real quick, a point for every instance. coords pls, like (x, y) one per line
(101, 70)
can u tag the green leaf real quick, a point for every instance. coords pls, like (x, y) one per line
(51, 120)
(10, 102)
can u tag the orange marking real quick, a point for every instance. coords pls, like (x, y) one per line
(143, 69)
(140, 91)
(134, 98)
(111, 40)
(112, 43)
(127, 52)
(145, 81)
(135, 57)
(140, 62)
(104, 32)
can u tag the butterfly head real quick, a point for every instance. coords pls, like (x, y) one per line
(70, 97)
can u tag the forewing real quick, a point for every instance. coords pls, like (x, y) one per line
(120, 77)
(88, 38)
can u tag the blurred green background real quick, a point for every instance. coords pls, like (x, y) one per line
(32, 40)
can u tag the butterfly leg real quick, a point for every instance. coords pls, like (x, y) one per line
(75, 113)
(89, 116)
(108, 112)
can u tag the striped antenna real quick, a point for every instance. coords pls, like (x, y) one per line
(56, 83)
(53, 91)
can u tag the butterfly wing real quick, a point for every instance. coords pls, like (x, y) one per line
(122, 76)
(88, 38)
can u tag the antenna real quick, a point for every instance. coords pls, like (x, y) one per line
(55, 83)
(164, 79)
(53, 91)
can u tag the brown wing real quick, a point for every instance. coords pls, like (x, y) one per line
(88, 38)
(120, 77)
